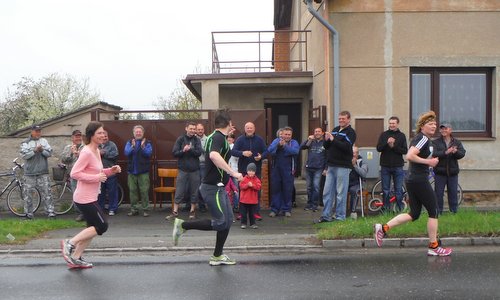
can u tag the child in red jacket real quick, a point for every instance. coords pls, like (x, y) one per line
(249, 196)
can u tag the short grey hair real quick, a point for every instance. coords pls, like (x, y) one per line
(138, 126)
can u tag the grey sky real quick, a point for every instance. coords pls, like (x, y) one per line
(131, 51)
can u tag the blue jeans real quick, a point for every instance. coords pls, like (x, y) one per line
(336, 186)
(313, 179)
(452, 183)
(109, 191)
(397, 174)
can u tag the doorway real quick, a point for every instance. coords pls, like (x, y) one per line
(287, 114)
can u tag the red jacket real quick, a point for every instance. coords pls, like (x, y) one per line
(250, 195)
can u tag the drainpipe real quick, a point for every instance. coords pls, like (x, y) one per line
(336, 59)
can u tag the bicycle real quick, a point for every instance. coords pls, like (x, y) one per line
(377, 192)
(62, 192)
(14, 189)
(376, 204)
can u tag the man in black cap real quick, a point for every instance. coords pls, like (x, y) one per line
(35, 150)
(69, 156)
(449, 150)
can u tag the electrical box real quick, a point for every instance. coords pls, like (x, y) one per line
(371, 157)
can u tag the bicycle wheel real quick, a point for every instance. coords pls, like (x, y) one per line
(121, 194)
(375, 205)
(62, 198)
(377, 190)
(378, 193)
(15, 200)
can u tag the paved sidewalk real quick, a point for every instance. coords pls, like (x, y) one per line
(140, 233)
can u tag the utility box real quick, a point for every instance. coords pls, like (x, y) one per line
(371, 157)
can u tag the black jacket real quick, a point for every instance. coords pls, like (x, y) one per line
(339, 151)
(187, 161)
(392, 157)
(448, 163)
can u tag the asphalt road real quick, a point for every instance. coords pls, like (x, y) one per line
(471, 273)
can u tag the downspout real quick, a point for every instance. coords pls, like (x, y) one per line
(336, 59)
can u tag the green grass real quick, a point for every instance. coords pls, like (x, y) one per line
(464, 224)
(24, 231)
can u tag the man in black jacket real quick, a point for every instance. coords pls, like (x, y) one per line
(449, 150)
(392, 145)
(338, 145)
(187, 149)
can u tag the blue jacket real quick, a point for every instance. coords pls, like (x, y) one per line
(284, 157)
(316, 156)
(249, 143)
(138, 158)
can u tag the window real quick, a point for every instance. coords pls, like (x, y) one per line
(459, 96)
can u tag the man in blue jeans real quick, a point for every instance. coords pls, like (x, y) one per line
(315, 166)
(449, 150)
(338, 145)
(392, 145)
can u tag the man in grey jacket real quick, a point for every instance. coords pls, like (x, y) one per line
(35, 150)
(69, 156)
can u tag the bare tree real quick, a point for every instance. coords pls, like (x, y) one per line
(180, 99)
(33, 101)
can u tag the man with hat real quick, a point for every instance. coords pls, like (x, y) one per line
(69, 156)
(449, 150)
(35, 150)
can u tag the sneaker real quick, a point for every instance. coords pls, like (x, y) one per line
(439, 251)
(79, 263)
(379, 234)
(51, 215)
(67, 250)
(354, 215)
(29, 216)
(221, 260)
(258, 217)
(79, 218)
(307, 208)
(178, 230)
(254, 226)
(288, 214)
(111, 213)
(243, 226)
(314, 209)
(172, 216)
(133, 213)
(322, 220)
(192, 215)
(272, 214)
(145, 214)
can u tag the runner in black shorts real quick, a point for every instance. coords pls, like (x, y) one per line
(419, 189)
(213, 190)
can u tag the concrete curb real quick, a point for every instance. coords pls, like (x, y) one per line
(267, 248)
(325, 245)
(411, 242)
